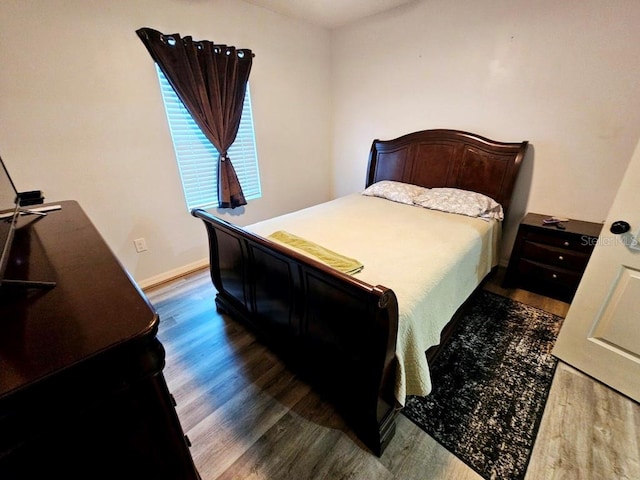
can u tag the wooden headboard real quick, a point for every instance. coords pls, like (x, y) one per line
(449, 158)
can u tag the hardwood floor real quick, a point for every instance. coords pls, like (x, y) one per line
(248, 417)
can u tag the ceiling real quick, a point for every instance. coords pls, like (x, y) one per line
(328, 13)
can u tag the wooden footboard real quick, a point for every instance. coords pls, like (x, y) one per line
(336, 331)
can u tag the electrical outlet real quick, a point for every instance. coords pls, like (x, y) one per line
(141, 244)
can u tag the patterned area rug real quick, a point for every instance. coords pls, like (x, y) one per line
(491, 384)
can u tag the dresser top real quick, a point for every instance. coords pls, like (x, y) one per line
(94, 307)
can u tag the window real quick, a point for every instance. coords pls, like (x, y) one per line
(198, 159)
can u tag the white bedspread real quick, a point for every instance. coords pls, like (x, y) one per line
(431, 260)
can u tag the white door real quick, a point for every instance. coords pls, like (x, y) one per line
(601, 334)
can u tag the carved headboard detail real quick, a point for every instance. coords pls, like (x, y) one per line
(449, 158)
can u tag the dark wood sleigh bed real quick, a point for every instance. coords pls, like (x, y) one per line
(334, 329)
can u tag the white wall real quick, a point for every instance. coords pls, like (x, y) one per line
(564, 75)
(81, 116)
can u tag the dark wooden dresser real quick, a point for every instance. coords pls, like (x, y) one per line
(548, 260)
(82, 393)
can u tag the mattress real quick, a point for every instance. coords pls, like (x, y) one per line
(432, 260)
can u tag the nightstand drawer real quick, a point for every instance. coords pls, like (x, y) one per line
(546, 275)
(576, 243)
(554, 256)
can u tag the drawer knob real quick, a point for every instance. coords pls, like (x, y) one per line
(619, 227)
(560, 257)
(566, 244)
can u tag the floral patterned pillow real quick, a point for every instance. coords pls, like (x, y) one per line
(463, 202)
(395, 191)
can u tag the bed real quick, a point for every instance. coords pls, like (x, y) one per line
(361, 338)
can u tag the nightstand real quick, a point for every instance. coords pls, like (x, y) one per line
(548, 260)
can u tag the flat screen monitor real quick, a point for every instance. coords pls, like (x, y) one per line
(9, 212)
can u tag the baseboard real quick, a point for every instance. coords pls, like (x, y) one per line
(166, 277)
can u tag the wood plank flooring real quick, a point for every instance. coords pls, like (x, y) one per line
(248, 417)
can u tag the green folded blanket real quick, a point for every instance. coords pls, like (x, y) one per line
(324, 255)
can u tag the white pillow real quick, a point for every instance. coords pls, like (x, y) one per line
(463, 202)
(395, 191)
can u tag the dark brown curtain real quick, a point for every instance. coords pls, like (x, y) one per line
(211, 81)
